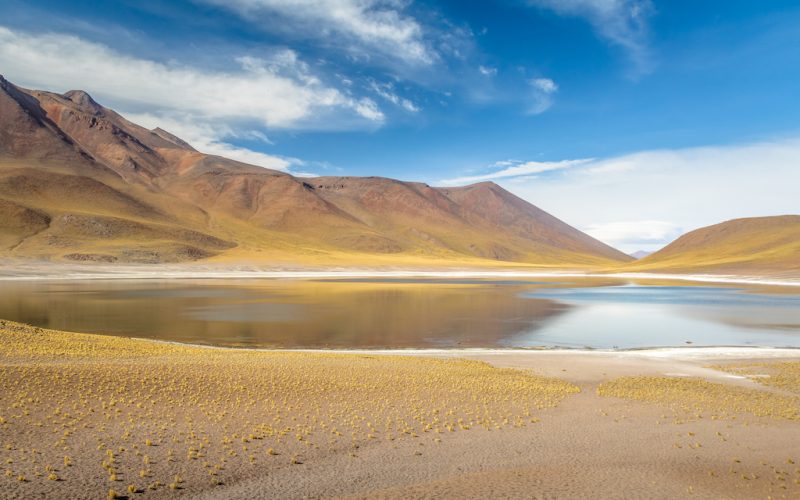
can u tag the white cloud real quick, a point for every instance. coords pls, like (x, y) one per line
(635, 234)
(516, 169)
(505, 163)
(543, 91)
(622, 22)
(634, 198)
(369, 25)
(279, 92)
(210, 140)
(487, 71)
(367, 108)
(305, 175)
(386, 90)
(545, 85)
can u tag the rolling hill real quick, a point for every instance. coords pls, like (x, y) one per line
(79, 182)
(757, 245)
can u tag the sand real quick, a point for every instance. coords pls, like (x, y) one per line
(84, 414)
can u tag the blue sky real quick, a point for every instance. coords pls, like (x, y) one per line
(633, 120)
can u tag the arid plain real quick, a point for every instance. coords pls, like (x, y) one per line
(86, 416)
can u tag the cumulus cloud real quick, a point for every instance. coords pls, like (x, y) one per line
(623, 23)
(543, 91)
(515, 168)
(641, 200)
(366, 25)
(487, 71)
(279, 92)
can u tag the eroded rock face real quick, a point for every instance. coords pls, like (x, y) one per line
(90, 257)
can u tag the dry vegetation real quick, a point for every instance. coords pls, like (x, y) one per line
(700, 398)
(784, 376)
(127, 417)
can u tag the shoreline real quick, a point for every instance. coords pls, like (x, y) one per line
(676, 353)
(65, 273)
(663, 352)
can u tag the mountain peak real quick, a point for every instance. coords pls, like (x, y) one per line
(5, 84)
(82, 99)
(483, 184)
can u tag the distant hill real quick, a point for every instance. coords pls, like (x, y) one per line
(640, 254)
(752, 245)
(79, 182)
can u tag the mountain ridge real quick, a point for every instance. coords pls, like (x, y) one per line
(80, 182)
(751, 245)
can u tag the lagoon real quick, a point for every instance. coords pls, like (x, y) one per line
(403, 313)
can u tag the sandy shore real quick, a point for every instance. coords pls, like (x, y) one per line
(84, 415)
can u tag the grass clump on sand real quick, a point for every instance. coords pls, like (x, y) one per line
(701, 397)
(191, 413)
(783, 375)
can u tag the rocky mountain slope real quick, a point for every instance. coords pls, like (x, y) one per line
(80, 182)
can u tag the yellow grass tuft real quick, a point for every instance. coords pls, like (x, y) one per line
(223, 408)
(696, 396)
(783, 375)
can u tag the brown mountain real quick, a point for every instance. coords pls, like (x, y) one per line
(756, 245)
(80, 182)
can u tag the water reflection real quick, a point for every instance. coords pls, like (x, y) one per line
(633, 316)
(406, 313)
(277, 313)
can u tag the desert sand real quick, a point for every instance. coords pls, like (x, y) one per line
(88, 416)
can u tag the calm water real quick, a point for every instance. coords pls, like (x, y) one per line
(404, 313)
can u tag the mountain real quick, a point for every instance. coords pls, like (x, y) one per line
(80, 182)
(640, 254)
(757, 245)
